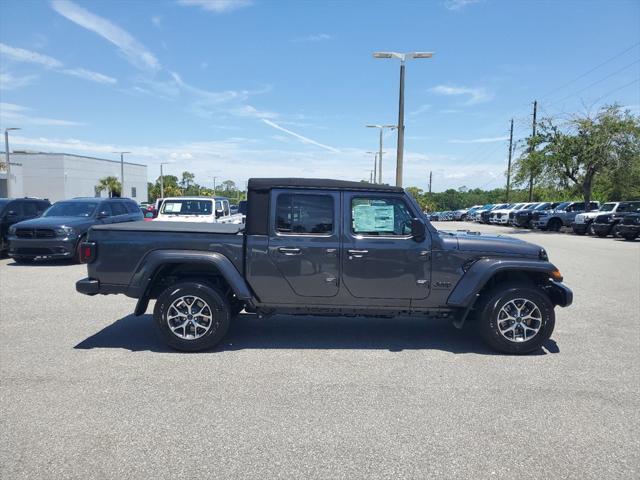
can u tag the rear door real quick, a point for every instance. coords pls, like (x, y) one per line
(380, 257)
(304, 241)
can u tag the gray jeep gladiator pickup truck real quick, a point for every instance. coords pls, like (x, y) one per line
(325, 247)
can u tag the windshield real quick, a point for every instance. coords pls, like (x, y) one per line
(543, 206)
(71, 209)
(607, 207)
(187, 207)
(563, 205)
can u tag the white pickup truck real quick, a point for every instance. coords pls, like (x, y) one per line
(197, 209)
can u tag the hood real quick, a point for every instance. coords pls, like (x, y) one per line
(56, 222)
(494, 244)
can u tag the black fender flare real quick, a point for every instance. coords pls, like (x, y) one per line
(142, 279)
(473, 281)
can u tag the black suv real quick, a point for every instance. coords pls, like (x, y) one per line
(629, 227)
(608, 223)
(61, 229)
(14, 210)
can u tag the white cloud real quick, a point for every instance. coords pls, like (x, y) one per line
(300, 137)
(476, 95)
(459, 4)
(27, 56)
(8, 81)
(20, 114)
(89, 75)
(421, 109)
(313, 38)
(239, 158)
(217, 6)
(249, 111)
(133, 51)
(481, 140)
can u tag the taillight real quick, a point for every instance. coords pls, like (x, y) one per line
(87, 252)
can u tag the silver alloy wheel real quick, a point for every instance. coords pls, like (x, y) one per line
(189, 317)
(519, 320)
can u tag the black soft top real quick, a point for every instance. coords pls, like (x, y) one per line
(323, 183)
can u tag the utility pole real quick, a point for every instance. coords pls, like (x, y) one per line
(6, 153)
(535, 110)
(430, 179)
(121, 172)
(509, 164)
(162, 179)
(214, 186)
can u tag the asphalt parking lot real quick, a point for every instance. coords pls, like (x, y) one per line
(88, 392)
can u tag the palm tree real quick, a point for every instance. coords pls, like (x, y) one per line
(111, 185)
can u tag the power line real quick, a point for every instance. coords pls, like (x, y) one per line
(616, 89)
(618, 55)
(595, 83)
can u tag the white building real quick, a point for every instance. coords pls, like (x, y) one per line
(59, 176)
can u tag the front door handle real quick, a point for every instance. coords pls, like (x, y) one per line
(289, 250)
(357, 253)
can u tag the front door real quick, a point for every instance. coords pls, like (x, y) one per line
(304, 241)
(380, 257)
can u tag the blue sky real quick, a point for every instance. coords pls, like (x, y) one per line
(244, 88)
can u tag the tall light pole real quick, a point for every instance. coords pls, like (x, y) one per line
(403, 57)
(214, 186)
(162, 179)
(381, 128)
(121, 172)
(6, 153)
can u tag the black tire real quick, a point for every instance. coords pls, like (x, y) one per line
(488, 312)
(217, 305)
(590, 229)
(23, 260)
(602, 234)
(630, 237)
(554, 225)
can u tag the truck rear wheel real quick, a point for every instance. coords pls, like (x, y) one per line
(515, 319)
(554, 225)
(192, 316)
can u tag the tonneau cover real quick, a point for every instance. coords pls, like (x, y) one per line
(156, 226)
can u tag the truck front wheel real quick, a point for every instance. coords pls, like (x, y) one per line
(515, 319)
(192, 316)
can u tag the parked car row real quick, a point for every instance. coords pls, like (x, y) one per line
(619, 219)
(32, 228)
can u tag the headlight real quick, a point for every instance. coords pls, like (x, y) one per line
(65, 232)
(12, 230)
(542, 255)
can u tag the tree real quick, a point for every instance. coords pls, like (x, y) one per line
(574, 155)
(228, 185)
(111, 185)
(187, 180)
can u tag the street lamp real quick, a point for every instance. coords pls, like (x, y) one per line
(381, 128)
(6, 153)
(162, 179)
(121, 172)
(403, 57)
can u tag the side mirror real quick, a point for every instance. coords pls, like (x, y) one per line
(418, 229)
(102, 214)
(219, 213)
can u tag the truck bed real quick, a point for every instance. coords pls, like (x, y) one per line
(124, 247)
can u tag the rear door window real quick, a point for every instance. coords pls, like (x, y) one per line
(302, 214)
(118, 208)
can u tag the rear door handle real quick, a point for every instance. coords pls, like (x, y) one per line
(289, 250)
(357, 253)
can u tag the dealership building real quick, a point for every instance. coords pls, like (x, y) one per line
(58, 176)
